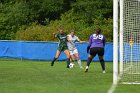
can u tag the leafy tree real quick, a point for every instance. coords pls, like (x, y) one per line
(84, 16)
(13, 15)
(17, 13)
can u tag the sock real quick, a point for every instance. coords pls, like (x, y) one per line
(68, 62)
(54, 59)
(79, 62)
(89, 61)
(102, 64)
(71, 61)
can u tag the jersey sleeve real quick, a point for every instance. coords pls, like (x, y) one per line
(90, 41)
(104, 41)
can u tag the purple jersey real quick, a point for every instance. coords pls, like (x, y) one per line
(97, 41)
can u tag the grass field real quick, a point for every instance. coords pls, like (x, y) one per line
(18, 76)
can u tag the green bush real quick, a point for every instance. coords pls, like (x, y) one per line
(32, 33)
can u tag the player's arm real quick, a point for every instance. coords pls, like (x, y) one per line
(54, 35)
(89, 44)
(82, 41)
(104, 41)
(78, 40)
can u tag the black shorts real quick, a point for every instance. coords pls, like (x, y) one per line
(62, 47)
(96, 50)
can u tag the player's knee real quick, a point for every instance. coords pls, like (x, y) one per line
(89, 59)
(77, 58)
(90, 56)
(101, 60)
(68, 56)
(56, 57)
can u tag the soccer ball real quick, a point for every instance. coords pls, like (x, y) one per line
(71, 65)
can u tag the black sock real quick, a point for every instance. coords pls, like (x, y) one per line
(68, 62)
(54, 59)
(102, 64)
(89, 61)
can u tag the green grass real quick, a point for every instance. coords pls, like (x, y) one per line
(39, 77)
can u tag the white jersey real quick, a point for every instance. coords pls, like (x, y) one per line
(71, 44)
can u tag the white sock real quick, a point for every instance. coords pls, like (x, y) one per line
(86, 67)
(80, 63)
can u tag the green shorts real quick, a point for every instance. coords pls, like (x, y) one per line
(62, 48)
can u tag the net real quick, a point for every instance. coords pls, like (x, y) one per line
(131, 42)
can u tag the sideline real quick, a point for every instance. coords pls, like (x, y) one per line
(112, 88)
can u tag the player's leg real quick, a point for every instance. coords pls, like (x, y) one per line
(68, 57)
(92, 54)
(101, 58)
(102, 63)
(58, 52)
(72, 58)
(90, 57)
(78, 58)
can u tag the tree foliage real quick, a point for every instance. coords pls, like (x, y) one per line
(36, 20)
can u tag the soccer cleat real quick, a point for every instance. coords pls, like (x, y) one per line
(104, 71)
(68, 66)
(86, 70)
(52, 63)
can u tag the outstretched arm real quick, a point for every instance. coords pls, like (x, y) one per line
(54, 35)
(80, 41)
(104, 41)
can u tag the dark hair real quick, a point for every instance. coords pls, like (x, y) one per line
(98, 31)
(60, 28)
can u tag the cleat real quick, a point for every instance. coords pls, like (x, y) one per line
(86, 70)
(104, 71)
(68, 67)
(52, 63)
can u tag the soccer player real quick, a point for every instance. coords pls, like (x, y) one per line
(62, 46)
(96, 46)
(72, 38)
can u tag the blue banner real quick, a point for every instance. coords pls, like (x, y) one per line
(45, 50)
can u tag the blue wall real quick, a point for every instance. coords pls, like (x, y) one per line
(44, 50)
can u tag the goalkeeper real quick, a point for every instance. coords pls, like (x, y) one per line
(72, 47)
(62, 46)
(96, 46)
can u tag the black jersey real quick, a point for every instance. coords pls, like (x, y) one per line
(62, 39)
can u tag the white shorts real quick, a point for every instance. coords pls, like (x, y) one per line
(74, 51)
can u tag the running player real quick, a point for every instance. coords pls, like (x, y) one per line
(62, 46)
(96, 46)
(72, 48)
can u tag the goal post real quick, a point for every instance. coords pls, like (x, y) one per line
(121, 3)
(115, 41)
(128, 71)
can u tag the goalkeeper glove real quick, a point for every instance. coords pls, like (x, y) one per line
(88, 49)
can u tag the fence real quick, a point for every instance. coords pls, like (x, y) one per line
(44, 50)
